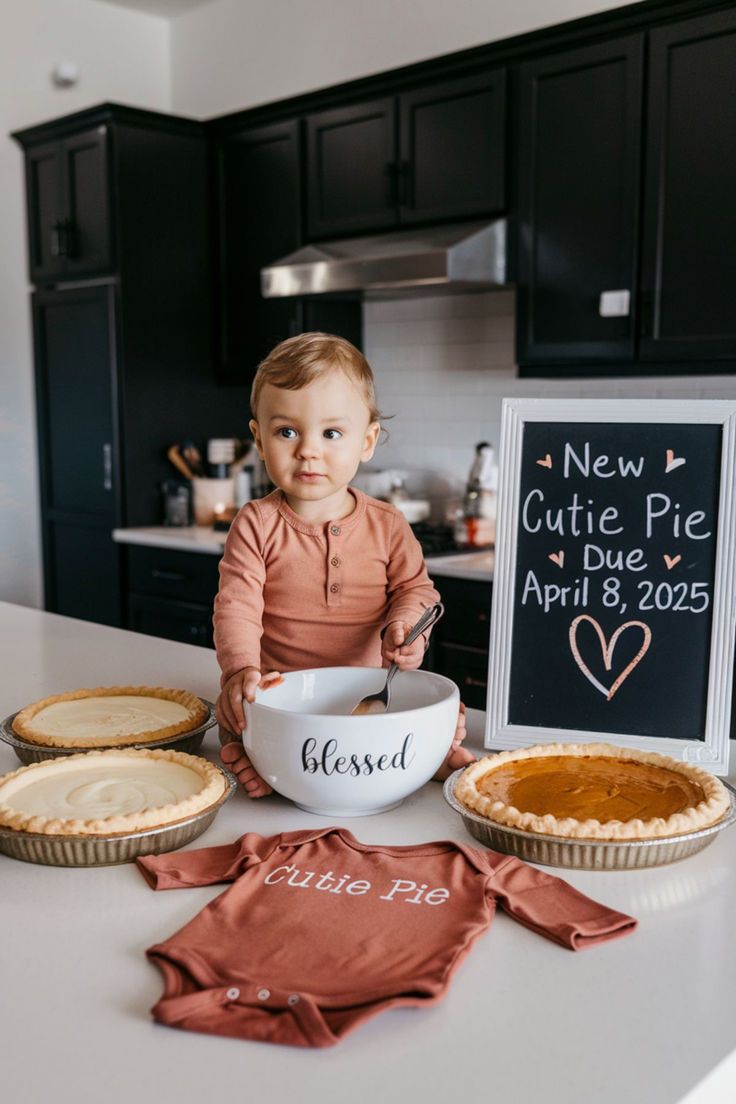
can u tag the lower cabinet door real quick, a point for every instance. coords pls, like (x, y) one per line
(468, 667)
(183, 621)
(82, 571)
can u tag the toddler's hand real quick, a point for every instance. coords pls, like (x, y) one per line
(457, 756)
(393, 650)
(238, 762)
(241, 687)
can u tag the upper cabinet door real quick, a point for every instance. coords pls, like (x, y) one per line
(580, 118)
(88, 237)
(45, 203)
(70, 235)
(452, 149)
(351, 169)
(259, 222)
(688, 269)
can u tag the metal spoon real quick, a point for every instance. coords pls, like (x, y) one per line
(378, 703)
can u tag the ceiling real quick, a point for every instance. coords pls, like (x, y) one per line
(167, 8)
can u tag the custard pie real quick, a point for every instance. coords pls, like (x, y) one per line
(110, 716)
(593, 791)
(108, 792)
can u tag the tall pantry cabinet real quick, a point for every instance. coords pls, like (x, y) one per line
(120, 256)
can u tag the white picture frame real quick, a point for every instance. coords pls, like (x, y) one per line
(712, 751)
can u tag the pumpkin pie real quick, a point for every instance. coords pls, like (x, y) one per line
(108, 792)
(593, 791)
(110, 716)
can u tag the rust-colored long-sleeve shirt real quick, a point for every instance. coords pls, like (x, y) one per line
(294, 595)
(319, 931)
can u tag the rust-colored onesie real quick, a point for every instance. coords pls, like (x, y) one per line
(320, 932)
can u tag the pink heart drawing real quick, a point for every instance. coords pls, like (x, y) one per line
(546, 463)
(607, 650)
(557, 557)
(671, 561)
(673, 462)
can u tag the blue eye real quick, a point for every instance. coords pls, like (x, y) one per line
(333, 434)
(286, 432)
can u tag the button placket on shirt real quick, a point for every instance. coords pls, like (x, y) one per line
(334, 565)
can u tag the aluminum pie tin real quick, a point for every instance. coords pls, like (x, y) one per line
(582, 854)
(27, 752)
(49, 850)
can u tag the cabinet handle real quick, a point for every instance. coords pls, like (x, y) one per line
(470, 681)
(56, 240)
(172, 576)
(615, 304)
(107, 466)
(405, 178)
(63, 238)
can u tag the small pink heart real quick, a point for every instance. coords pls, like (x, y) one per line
(546, 463)
(671, 561)
(557, 557)
(673, 461)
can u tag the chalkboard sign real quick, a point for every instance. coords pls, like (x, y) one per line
(613, 601)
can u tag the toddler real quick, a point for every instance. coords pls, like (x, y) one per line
(316, 574)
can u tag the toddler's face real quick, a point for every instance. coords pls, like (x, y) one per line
(314, 439)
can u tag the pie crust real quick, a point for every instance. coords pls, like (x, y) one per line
(111, 792)
(110, 716)
(593, 791)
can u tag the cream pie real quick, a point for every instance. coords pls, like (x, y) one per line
(108, 792)
(110, 716)
(593, 791)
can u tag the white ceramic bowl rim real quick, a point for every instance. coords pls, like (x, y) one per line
(362, 718)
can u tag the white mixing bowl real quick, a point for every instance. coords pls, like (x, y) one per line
(301, 738)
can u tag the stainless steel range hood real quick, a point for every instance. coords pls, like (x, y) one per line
(467, 257)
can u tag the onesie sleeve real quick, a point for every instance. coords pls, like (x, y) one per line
(551, 907)
(410, 589)
(206, 865)
(238, 616)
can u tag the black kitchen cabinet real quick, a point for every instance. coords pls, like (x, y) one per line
(351, 169)
(435, 153)
(688, 269)
(259, 218)
(67, 197)
(459, 642)
(452, 138)
(258, 174)
(171, 593)
(579, 160)
(123, 359)
(81, 497)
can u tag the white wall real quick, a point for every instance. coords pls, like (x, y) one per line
(231, 54)
(123, 56)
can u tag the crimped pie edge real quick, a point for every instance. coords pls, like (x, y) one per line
(707, 812)
(214, 785)
(23, 722)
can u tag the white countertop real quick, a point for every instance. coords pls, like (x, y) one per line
(189, 538)
(640, 1019)
(199, 538)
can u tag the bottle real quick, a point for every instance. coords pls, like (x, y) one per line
(476, 523)
(243, 486)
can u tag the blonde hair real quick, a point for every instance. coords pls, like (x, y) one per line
(299, 360)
